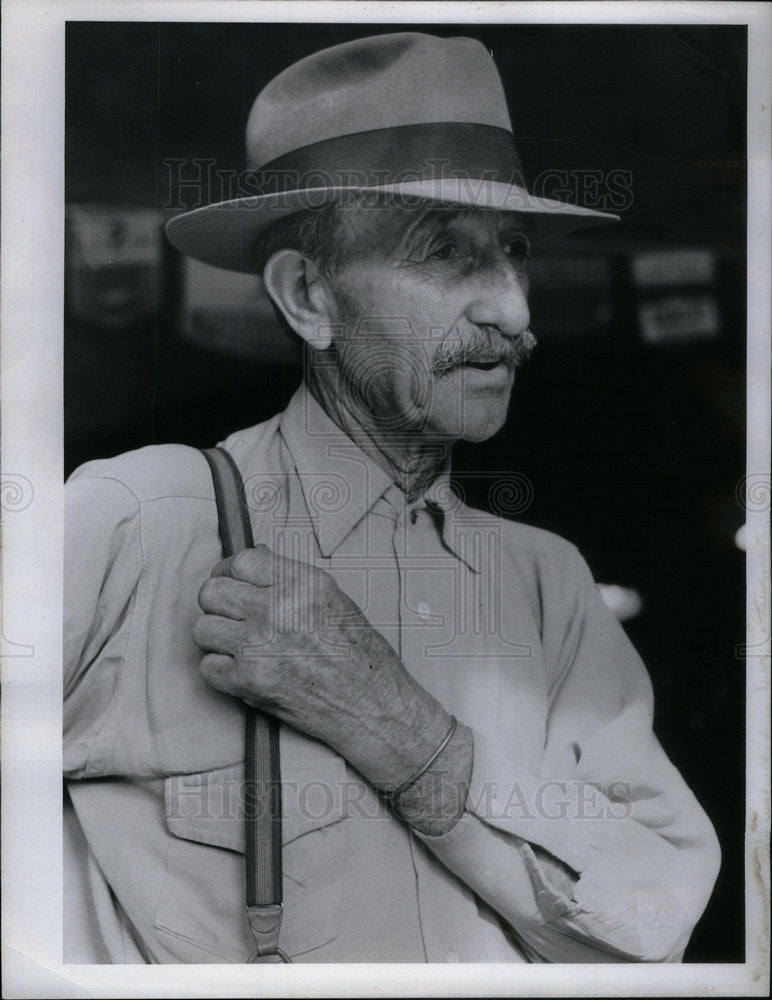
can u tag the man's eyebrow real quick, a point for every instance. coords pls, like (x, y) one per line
(434, 221)
(437, 221)
(512, 224)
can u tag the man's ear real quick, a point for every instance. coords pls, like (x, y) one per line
(294, 284)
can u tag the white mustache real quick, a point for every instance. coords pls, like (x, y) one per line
(481, 344)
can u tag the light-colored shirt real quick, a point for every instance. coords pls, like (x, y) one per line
(502, 623)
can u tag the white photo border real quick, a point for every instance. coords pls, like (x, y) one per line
(32, 464)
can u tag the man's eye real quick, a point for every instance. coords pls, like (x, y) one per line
(445, 251)
(518, 247)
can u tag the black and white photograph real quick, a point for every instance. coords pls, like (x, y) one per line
(394, 461)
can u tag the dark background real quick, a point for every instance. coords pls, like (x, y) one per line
(633, 450)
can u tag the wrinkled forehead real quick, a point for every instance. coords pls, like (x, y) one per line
(387, 225)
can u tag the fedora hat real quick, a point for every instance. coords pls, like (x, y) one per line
(407, 114)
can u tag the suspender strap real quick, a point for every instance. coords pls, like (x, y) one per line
(262, 798)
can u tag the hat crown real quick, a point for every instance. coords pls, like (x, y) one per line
(403, 114)
(406, 78)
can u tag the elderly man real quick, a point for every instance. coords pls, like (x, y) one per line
(463, 731)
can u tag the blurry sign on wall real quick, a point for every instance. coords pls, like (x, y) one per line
(678, 318)
(673, 267)
(113, 274)
(230, 313)
(679, 301)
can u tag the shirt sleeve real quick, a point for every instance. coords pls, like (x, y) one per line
(103, 563)
(605, 801)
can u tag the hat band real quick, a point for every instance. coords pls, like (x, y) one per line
(397, 155)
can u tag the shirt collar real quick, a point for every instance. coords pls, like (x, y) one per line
(458, 520)
(341, 484)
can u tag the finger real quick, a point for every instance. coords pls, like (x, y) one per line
(222, 672)
(232, 598)
(215, 634)
(219, 671)
(255, 565)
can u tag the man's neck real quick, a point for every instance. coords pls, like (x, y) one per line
(411, 460)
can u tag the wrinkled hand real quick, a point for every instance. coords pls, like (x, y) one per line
(283, 636)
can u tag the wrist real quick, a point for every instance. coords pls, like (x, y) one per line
(394, 793)
(435, 801)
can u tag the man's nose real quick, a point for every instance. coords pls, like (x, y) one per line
(501, 299)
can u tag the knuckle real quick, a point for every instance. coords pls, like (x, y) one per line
(242, 563)
(200, 630)
(209, 665)
(219, 671)
(207, 592)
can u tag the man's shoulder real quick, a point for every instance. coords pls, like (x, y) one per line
(149, 473)
(518, 539)
(161, 471)
(524, 538)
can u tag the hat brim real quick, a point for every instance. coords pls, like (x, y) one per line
(224, 234)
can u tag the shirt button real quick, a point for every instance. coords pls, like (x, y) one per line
(424, 611)
(451, 956)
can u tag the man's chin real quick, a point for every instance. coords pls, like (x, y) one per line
(472, 430)
(483, 419)
(476, 435)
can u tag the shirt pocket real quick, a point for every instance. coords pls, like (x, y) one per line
(201, 900)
